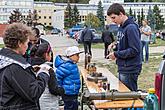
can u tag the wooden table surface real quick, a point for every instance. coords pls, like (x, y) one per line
(114, 84)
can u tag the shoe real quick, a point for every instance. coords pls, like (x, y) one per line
(61, 102)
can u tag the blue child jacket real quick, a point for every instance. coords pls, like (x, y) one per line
(68, 75)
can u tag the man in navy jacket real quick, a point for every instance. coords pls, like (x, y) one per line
(128, 54)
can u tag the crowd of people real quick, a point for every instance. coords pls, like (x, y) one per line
(28, 79)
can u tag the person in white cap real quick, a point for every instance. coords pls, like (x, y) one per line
(68, 76)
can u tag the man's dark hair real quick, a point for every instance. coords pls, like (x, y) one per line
(115, 8)
(36, 31)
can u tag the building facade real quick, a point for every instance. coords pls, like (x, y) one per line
(7, 7)
(45, 10)
(104, 2)
(85, 9)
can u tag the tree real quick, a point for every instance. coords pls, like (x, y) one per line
(31, 19)
(150, 1)
(16, 16)
(100, 14)
(134, 15)
(130, 12)
(75, 15)
(151, 18)
(158, 18)
(142, 16)
(68, 16)
(138, 18)
(92, 21)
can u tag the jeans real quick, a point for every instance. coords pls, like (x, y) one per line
(129, 80)
(145, 45)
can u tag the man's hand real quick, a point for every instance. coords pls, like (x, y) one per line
(111, 56)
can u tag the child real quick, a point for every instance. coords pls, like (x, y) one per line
(68, 76)
(41, 54)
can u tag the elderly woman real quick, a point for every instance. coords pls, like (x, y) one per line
(20, 87)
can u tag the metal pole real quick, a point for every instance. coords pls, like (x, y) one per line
(113, 96)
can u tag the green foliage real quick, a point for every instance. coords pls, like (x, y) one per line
(71, 17)
(2, 45)
(158, 18)
(92, 21)
(134, 15)
(138, 18)
(100, 14)
(142, 15)
(65, 1)
(151, 19)
(16, 16)
(49, 27)
(75, 17)
(159, 42)
(68, 16)
(130, 12)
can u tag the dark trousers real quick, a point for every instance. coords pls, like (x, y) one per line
(87, 47)
(70, 102)
(106, 52)
(145, 45)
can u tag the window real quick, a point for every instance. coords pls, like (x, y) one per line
(44, 17)
(39, 17)
(50, 24)
(44, 23)
(50, 17)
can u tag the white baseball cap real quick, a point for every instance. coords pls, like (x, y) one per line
(72, 50)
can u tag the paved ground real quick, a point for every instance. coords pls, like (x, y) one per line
(60, 43)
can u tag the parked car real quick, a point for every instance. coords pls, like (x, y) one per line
(54, 31)
(72, 31)
(113, 28)
(96, 39)
(160, 84)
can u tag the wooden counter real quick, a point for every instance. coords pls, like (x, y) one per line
(114, 84)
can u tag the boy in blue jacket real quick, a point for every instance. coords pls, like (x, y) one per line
(68, 76)
(128, 54)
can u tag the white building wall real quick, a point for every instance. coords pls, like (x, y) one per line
(58, 19)
(105, 1)
(7, 6)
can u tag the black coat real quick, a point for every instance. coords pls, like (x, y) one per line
(19, 87)
(107, 37)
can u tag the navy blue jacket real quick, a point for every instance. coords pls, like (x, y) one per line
(87, 35)
(68, 75)
(128, 52)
